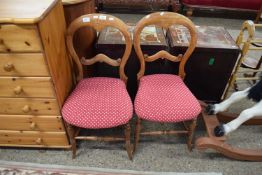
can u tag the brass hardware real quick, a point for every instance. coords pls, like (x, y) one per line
(26, 109)
(33, 125)
(38, 140)
(8, 67)
(18, 90)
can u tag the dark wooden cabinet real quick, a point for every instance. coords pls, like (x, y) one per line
(210, 66)
(111, 43)
(208, 69)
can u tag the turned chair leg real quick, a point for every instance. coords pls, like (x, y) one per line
(71, 133)
(127, 139)
(191, 131)
(137, 133)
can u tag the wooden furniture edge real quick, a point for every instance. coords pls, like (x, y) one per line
(29, 20)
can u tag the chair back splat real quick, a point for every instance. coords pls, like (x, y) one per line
(165, 20)
(99, 22)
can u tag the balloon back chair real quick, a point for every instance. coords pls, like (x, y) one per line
(164, 97)
(98, 102)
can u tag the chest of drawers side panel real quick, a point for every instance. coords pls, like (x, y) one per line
(52, 30)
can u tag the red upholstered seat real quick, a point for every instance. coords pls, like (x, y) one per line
(165, 98)
(98, 103)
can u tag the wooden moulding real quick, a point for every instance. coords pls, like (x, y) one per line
(218, 144)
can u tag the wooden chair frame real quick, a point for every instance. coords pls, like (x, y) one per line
(219, 143)
(98, 22)
(249, 44)
(165, 20)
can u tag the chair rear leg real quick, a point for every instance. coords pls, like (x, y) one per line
(71, 133)
(137, 132)
(127, 140)
(191, 131)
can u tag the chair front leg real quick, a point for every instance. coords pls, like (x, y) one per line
(137, 133)
(71, 133)
(191, 131)
(127, 140)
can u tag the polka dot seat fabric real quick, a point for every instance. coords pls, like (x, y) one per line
(98, 102)
(165, 98)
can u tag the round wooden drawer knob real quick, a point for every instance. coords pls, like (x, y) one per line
(8, 67)
(18, 90)
(33, 125)
(38, 140)
(26, 109)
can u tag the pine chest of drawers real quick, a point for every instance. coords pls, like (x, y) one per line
(35, 75)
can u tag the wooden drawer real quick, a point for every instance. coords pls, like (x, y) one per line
(19, 38)
(41, 139)
(31, 64)
(31, 123)
(26, 87)
(29, 106)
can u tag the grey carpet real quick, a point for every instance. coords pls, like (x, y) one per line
(20, 168)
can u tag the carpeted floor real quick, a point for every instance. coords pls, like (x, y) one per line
(20, 168)
(159, 154)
